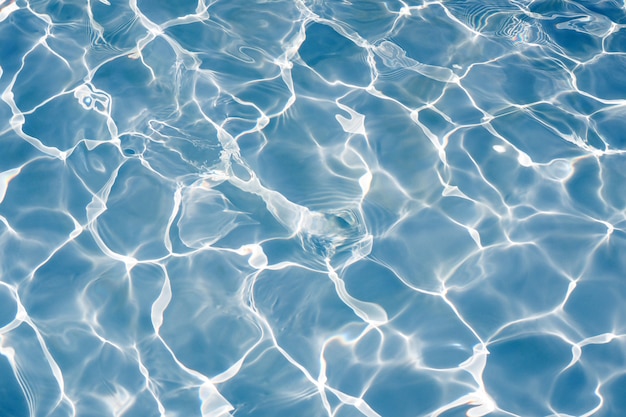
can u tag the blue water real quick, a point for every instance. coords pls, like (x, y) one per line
(312, 208)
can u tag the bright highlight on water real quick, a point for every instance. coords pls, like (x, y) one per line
(312, 208)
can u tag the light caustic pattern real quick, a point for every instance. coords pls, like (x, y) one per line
(307, 208)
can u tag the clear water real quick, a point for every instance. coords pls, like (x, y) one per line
(312, 208)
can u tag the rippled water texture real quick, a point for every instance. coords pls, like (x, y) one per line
(312, 208)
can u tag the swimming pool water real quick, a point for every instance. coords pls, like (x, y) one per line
(312, 208)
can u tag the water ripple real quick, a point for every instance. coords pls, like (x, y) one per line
(306, 208)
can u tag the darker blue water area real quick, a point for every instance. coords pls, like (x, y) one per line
(12, 401)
